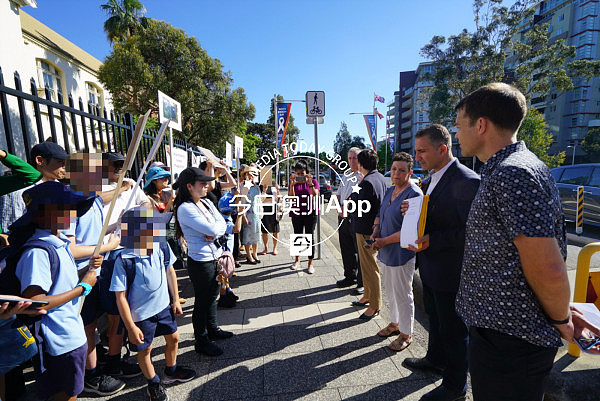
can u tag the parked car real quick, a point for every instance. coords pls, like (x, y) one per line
(568, 178)
(388, 179)
(325, 187)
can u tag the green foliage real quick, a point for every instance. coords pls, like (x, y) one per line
(251, 142)
(125, 18)
(534, 132)
(499, 50)
(381, 154)
(266, 134)
(591, 143)
(344, 141)
(162, 57)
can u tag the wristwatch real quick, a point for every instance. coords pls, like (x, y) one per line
(86, 288)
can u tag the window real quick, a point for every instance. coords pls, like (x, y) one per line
(595, 178)
(574, 121)
(94, 94)
(576, 175)
(553, 96)
(556, 172)
(49, 75)
(561, 17)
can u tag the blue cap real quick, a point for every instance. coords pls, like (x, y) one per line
(225, 203)
(52, 193)
(141, 218)
(155, 173)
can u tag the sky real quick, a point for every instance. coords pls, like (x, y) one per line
(348, 48)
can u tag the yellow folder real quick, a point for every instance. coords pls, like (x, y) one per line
(423, 216)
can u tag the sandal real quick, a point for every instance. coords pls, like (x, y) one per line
(400, 343)
(388, 331)
(263, 253)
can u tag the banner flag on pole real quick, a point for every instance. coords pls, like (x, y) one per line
(379, 115)
(387, 122)
(379, 98)
(283, 117)
(370, 121)
(391, 138)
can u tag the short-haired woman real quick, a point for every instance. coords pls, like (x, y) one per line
(304, 219)
(397, 264)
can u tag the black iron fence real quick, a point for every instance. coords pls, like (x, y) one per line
(28, 119)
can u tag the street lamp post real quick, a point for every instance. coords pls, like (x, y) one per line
(574, 146)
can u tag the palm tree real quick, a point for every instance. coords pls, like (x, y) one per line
(125, 16)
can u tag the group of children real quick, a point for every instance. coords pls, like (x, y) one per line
(139, 294)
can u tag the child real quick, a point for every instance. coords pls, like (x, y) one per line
(62, 342)
(227, 298)
(142, 285)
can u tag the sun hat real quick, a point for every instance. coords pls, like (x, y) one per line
(155, 173)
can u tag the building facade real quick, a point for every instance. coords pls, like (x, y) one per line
(36, 51)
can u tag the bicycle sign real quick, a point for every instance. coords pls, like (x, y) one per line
(315, 104)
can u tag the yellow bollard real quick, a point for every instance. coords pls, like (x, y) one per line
(579, 212)
(581, 281)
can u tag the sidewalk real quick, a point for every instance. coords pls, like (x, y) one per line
(297, 338)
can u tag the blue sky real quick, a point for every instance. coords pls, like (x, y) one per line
(349, 49)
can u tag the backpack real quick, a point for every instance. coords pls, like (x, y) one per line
(9, 257)
(226, 264)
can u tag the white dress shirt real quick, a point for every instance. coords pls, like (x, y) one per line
(437, 176)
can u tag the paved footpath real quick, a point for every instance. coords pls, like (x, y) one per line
(297, 337)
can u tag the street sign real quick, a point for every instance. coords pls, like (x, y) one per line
(311, 120)
(315, 104)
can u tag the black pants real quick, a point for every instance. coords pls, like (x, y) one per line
(448, 338)
(349, 251)
(203, 276)
(306, 225)
(504, 367)
(236, 245)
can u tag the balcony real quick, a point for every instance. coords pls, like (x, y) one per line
(391, 130)
(407, 146)
(406, 124)
(407, 114)
(407, 103)
(406, 135)
(391, 111)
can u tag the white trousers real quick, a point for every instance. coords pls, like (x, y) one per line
(397, 281)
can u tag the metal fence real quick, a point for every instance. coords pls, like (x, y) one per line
(28, 119)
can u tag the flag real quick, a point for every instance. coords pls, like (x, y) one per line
(283, 117)
(379, 98)
(391, 139)
(387, 122)
(371, 129)
(379, 115)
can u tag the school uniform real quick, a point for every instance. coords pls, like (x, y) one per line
(148, 294)
(60, 334)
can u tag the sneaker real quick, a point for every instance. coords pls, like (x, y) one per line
(226, 301)
(219, 334)
(103, 385)
(295, 266)
(208, 348)
(125, 370)
(181, 375)
(156, 392)
(311, 269)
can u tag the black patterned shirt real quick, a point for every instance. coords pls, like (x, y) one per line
(517, 195)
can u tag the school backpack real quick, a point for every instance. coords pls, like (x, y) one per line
(9, 257)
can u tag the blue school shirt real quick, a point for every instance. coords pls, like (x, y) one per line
(390, 222)
(149, 293)
(62, 327)
(196, 225)
(86, 230)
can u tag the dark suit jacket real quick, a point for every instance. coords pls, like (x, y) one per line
(372, 190)
(449, 204)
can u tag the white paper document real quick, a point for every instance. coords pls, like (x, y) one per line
(409, 232)
(592, 314)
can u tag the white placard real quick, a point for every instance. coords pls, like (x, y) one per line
(315, 104)
(179, 160)
(239, 147)
(409, 232)
(228, 160)
(169, 108)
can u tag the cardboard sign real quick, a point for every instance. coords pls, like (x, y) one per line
(228, 154)
(210, 156)
(179, 159)
(266, 176)
(239, 147)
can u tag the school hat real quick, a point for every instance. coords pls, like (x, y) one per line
(142, 218)
(161, 165)
(113, 156)
(48, 150)
(191, 174)
(155, 173)
(52, 193)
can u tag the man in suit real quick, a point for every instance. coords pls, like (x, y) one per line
(451, 189)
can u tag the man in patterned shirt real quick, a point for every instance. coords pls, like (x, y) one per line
(514, 292)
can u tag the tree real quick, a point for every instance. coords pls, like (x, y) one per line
(125, 18)
(358, 142)
(381, 154)
(591, 143)
(497, 51)
(342, 140)
(534, 132)
(266, 134)
(251, 142)
(161, 57)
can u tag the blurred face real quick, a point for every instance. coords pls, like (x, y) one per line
(300, 173)
(400, 173)
(198, 190)
(55, 217)
(111, 171)
(353, 161)
(467, 136)
(429, 155)
(51, 169)
(84, 172)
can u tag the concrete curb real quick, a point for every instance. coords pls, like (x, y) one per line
(578, 239)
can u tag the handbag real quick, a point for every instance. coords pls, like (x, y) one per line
(17, 345)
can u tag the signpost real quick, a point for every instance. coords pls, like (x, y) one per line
(315, 108)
